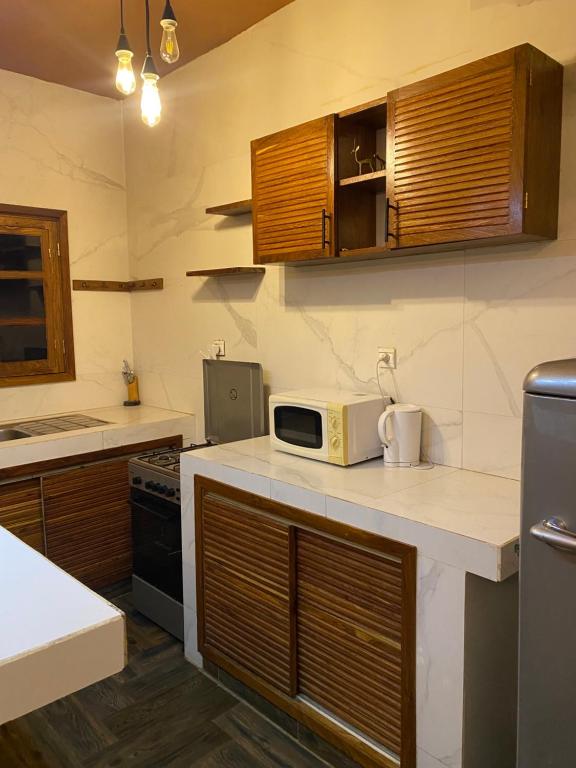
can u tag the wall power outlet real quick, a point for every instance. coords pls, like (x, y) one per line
(387, 357)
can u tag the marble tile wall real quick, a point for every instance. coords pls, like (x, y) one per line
(62, 148)
(467, 326)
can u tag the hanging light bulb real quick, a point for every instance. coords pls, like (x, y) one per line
(150, 105)
(125, 80)
(169, 50)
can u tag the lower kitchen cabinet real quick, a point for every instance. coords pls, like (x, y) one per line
(87, 519)
(316, 616)
(76, 511)
(21, 511)
(246, 587)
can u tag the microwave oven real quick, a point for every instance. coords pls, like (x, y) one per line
(330, 425)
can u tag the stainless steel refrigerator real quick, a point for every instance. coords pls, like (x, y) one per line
(547, 654)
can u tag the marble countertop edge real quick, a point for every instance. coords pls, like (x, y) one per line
(472, 512)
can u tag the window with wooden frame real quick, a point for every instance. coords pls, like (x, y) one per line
(36, 340)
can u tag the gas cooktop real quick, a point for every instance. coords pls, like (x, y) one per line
(167, 460)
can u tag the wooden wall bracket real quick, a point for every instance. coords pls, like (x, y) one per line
(154, 284)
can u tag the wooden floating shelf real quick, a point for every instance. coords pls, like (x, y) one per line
(154, 284)
(239, 208)
(375, 181)
(226, 271)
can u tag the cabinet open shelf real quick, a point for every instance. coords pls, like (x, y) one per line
(239, 208)
(360, 144)
(222, 272)
(375, 181)
(370, 252)
(128, 286)
(372, 113)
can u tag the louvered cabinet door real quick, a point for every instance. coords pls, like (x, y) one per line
(244, 590)
(21, 511)
(88, 524)
(356, 637)
(293, 193)
(455, 155)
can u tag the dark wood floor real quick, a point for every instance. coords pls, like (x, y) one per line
(159, 711)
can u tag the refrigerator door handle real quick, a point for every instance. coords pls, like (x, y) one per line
(554, 532)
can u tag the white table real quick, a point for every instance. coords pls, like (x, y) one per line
(56, 635)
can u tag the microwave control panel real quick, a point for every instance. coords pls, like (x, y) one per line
(337, 447)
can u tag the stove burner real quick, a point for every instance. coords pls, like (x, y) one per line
(161, 459)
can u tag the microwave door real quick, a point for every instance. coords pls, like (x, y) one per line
(299, 426)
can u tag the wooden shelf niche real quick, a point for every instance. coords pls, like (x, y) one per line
(362, 191)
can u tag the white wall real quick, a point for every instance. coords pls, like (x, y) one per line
(61, 148)
(467, 326)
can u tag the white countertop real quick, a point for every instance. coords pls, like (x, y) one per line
(56, 635)
(462, 518)
(126, 425)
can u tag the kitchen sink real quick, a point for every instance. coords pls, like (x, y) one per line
(12, 434)
(50, 425)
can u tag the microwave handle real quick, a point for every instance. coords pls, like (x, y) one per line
(382, 427)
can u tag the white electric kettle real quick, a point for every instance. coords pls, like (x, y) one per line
(400, 430)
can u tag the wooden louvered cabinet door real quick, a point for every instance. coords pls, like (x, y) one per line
(21, 511)
(473, 154)
(355, 637)
(87, 522)
(245, 600)
(293, 193)
(317, 617)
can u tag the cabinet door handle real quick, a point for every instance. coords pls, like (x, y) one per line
(325, 216)
(387, 233)
(554, 532)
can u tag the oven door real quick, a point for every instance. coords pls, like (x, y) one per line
(299, 429)
(157, 542)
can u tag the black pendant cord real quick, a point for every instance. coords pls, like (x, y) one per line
(122, 32)
(148, 49)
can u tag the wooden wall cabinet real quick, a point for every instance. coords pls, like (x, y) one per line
(316, 616)
(293, 193)
(472, 159)
(474, 154)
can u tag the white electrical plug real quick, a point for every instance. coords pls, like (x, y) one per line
(387, 357)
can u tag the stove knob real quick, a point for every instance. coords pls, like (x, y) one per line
(136, 481)
(162, 489)
(149, 485)
(170, 492)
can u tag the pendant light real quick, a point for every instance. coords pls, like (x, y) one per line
(169, 50)
(125, 80)
(150, 105)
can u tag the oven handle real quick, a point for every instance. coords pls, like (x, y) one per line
(150, 510)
